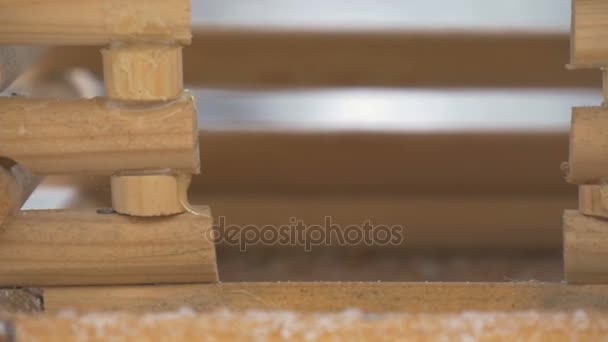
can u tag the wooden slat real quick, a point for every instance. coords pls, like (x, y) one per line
(16, 60)
(88, 247)
(451, 163)
(585, 248)
(324, 297)
(98, 136)
(249, 58)
(589, 33)
(281, 326)
(93, 22)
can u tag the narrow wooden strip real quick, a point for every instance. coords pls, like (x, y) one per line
(589, 33)
(324, 297)
(223, 57)
(352, 325)
(93, 22)
(146, 195)
(16, 186)
(16, 60)
(89, 247)
(585, 248)
(143, 72)
(98, 136)
(593, 200)
(469, 163)
(588, 161)
(247, 58)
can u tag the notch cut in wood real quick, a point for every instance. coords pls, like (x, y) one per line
(93, 22)
(99, 136)
(585, 248)
(91, 247)
(143, 72)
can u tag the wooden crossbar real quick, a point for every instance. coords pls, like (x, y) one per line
(93, 22)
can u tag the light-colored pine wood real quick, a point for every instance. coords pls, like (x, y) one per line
(14, 60)
(87, 247)
(588, 161)
(585, 248)
(99, 136)
(93, 22)
(589, 33)
(239, 58)
(593, 200)
(146, 195)
(143, 72)
(330, 297)
(353, 325)
(16, 185)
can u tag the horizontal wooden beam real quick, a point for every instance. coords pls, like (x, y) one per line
(223, 57)
(353, 325)
(588, 161)
(450, 163)
(585, 248)
(331, 297)
(89, 247)
(589, 34)
(16, 60)
(98, 136)
(93, 22)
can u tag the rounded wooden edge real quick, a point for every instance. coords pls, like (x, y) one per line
(146, 195)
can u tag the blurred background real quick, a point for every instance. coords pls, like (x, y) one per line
(449, 118)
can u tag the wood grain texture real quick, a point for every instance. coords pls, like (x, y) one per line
(14, 60)
(245, 58)
(589, 33)
(352, 325)
(85, 247)
(585, 248)
(98, 136)
(16, 186)
(143, 72)
(332, 297)
(146, 195)
(588, 161)
(93, 22)
(593, 200)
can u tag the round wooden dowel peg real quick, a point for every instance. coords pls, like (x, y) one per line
(146, 195)
(143, 72)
